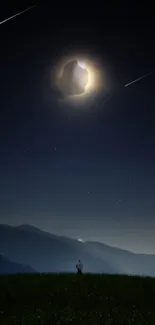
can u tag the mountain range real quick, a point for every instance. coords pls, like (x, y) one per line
(33, 249)
(9, 267)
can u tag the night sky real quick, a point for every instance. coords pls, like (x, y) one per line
(86, 172)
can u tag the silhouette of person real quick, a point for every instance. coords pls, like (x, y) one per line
(79, 267)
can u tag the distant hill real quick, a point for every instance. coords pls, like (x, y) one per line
(46, 252)
(125, 261)
(9, 267)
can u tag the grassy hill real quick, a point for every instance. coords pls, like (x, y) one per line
(70, 299)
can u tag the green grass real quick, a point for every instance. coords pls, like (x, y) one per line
(70, 299)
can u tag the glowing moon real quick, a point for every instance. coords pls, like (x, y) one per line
(73, 79)
(77, 78)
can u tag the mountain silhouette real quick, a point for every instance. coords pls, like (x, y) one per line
(45, 252)
(10, 267)
(127, 262)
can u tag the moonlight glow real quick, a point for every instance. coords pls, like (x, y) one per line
(80, 239)
(82, 65)
(90, 80)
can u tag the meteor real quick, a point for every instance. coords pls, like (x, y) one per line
(132, 82)
(4, 21)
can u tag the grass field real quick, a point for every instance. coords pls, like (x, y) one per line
(70, 299)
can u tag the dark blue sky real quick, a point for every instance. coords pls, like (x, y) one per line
(85, 173)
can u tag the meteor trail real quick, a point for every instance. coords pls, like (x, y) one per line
(132, 82)
(4, 21)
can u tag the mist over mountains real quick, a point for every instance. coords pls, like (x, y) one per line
(9, 267)
(36, 250)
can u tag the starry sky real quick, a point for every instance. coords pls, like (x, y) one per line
(84, 172)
